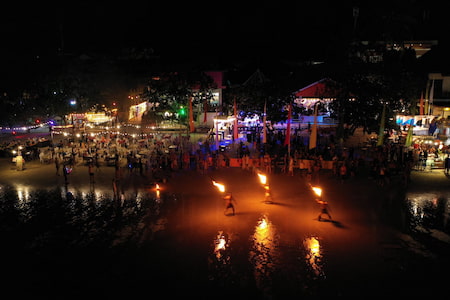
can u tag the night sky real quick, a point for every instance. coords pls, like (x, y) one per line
(32, 34)
(219, 27)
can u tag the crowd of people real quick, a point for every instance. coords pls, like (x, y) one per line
(158, 155)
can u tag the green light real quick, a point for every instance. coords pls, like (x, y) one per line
(182, 111)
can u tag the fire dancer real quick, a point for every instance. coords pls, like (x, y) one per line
(323, 209)
(323, 204)
(267, 194)
(229, 199)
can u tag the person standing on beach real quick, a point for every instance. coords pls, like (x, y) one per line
(57, 165)
(65, 173)
(91, 172)
(447, 165)
(323, 209)
(229, 199)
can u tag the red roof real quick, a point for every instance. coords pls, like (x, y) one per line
(318, 89)
(217, 77)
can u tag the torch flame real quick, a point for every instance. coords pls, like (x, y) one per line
(220, 186)
(262, 178)
(317, 190)
(157, 187)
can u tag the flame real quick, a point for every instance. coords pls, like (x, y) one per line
(317, 190)
(262, 178)
(220, 186)
(266, 190)
(158, 191)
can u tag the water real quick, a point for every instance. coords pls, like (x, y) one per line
(428, 221)
(274, 267)
(429, 211)
(164, 241)
(92, 231)
(52, 242)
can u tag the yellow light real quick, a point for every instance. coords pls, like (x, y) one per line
(314, 246)
(220, 186)
(314, 255)
(262, 225)
(220, 245)
(317, 190)
(262, 178)
(264, 252)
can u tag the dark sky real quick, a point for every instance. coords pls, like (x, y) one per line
(217, 27)
(229, 24)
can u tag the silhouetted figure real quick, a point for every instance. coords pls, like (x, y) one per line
(69, 196)
(115, 188)
(65, 173)
(57, 165)
(447, 165)
(323, 209)
(91, 172)
(267, 194)
(229, 199)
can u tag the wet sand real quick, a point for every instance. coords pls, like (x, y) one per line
(149, 243)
